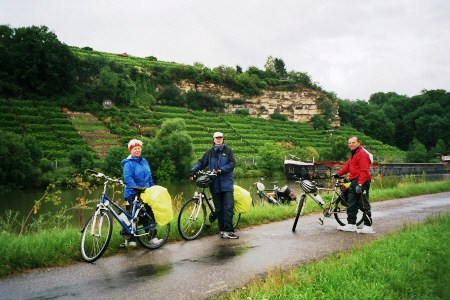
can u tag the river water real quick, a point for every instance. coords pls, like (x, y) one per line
(23, 201)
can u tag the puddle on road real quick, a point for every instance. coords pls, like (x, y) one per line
(146, 271)
(223, 252)
(220, 252)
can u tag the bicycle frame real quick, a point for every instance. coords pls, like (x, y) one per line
(108, 204)
(330, 209)
(198, 206)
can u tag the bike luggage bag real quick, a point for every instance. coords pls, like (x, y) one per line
(161, 203)
(286, 193)
(242, 200)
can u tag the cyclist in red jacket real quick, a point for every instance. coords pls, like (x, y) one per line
(358, 166)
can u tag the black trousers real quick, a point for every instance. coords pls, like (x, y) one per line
(359, 202)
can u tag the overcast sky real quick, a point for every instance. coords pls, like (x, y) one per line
(353, 48)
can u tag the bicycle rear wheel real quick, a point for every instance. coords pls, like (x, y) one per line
(340, 213)
(191, 219)
(298, 211)
(155, 237)
(96, 235)
(152, 238)
(236, 219)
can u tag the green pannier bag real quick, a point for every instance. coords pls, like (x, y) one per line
(242, 200)
(161, 203)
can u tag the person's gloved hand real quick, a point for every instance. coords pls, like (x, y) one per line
(358, 189)
(191, 176)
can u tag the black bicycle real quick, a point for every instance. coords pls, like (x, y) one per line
(96, 234)
(192, 217)
(336, 207)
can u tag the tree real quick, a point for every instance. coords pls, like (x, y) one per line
(403, 135)
(271, 158)
(276, 66)
(20, 161)
(307, 153)
(280, 68)
(35, 63)
(173, 145)
(338, 149)
(171, 95)
(319, 123)
(81, 159)
(112, 161)
(417, 153)
(270, 64)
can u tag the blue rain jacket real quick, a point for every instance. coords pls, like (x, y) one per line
(136, 172)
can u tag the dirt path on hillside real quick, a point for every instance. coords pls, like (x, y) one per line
(202, 268)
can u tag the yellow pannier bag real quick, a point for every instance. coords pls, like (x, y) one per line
(242, 200)
(161, 203)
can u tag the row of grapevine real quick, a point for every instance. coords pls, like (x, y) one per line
(45, 121)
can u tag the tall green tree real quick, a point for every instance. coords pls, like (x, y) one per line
(19, 166)
(34, 63)
(175, 147)
(271, 158)
(417, 153)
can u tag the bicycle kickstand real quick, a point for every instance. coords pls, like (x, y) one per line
(321, 220)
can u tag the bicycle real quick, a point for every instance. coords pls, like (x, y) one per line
(192, 217)
(337, 206)
(277, 195)
(140, 223)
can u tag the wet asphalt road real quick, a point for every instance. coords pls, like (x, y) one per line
(202, 268)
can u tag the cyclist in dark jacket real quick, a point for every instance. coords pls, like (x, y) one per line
(220, 160)
(358, 193)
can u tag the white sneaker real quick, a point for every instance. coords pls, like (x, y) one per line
(366, 230)
(128, 244)
(347, 228)
(155, 241)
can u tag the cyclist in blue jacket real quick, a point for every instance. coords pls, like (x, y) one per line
(136, 172)
(220, 160)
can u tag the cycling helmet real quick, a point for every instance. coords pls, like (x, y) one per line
(203, 181)
(260, 186)
(308, 186)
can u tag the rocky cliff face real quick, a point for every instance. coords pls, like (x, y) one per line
(299, 106)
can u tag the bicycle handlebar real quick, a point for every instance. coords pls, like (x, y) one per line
(209, 173)
(109, 179)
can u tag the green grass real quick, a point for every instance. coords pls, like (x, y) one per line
(410, 264)
(59, 247)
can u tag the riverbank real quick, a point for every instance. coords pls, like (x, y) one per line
(61, 246)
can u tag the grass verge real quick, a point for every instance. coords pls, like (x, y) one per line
(410, 264)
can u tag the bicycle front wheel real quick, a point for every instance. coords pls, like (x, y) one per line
(191, 219)
(96, 235)
(298, 211)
